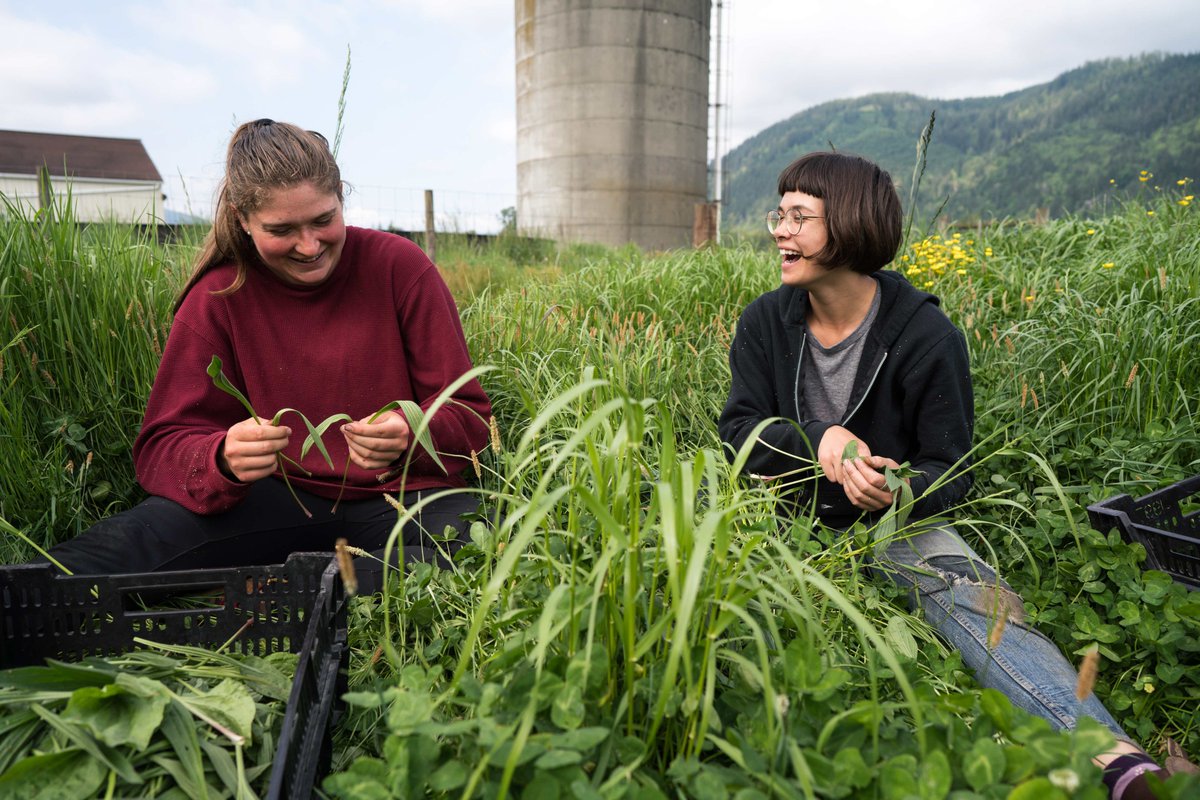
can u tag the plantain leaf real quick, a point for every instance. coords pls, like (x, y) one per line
(323, 426)
(128, 711)
(417, 423)
(850, 451)
(66, 773)
(221, 382)
(902, 500)
(56, 676)
(229, 703)
(187, 768)
(78, 736)
(19, 733)
(314, 436)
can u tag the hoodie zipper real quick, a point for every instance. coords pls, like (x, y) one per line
(796, 383)
(863, 399)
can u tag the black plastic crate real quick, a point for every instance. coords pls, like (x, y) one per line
(315, 703)
(298, 606)
(1161, 523)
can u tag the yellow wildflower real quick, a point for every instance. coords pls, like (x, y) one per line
(1091, 232)
(1108, 265)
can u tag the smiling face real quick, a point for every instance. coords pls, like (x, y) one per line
(796, 266)
(299, 233)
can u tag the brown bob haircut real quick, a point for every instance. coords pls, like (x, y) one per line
(863, 219)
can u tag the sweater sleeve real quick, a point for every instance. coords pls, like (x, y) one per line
(940, 401)
(175, 454)
(437, 355)
(781, 447)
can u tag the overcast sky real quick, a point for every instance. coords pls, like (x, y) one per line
(431, 97)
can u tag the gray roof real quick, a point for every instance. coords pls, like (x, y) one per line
(23, 153)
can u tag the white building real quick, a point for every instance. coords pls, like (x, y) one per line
(108, 179)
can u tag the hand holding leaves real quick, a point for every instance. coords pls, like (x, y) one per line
(314, 435)
(370, 445)
(251, 449)
(376, 442)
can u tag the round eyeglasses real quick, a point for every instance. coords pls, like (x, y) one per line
(792, 220)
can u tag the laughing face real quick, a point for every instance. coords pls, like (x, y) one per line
(796, 249)
(299, 233)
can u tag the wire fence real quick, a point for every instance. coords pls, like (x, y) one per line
(191, 199)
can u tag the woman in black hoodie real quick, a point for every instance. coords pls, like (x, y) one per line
(843, 352)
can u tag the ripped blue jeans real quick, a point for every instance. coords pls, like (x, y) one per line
(961, 598)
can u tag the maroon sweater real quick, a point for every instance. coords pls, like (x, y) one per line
(383, 327)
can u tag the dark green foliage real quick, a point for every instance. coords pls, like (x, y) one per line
(1053, 146)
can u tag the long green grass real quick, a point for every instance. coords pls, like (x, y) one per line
(82, 324)
(633, 620)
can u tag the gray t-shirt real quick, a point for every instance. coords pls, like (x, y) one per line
(829, 376)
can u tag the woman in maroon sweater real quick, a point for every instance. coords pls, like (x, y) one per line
(304, 313)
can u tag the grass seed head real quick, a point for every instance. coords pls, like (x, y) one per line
(494, 431)
(346, 568)
(1087, 674)
(997, 634)
(1132, 375)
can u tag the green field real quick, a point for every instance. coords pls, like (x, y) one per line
(640, 624)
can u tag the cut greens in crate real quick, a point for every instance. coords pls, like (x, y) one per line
(155, 722)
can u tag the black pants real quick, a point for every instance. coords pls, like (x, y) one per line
(160, 534)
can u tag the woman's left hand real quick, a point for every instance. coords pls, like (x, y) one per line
(375, 445)
(865, 484)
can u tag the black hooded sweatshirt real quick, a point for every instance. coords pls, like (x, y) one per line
(911, 399)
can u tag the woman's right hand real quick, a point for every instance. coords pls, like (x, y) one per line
(250, 449)
(830, 449)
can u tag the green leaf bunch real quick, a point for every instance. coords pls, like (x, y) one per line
(194, 725)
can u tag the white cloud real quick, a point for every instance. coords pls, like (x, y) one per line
(366, 217)
(474, 14)
(79, 83)
(270, 44)
(786, 58)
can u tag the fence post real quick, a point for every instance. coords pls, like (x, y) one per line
(430, 235)
(704, 224)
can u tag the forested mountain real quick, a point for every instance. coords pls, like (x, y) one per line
(1055, 146)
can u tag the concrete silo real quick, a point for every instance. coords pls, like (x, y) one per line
(612, 119)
